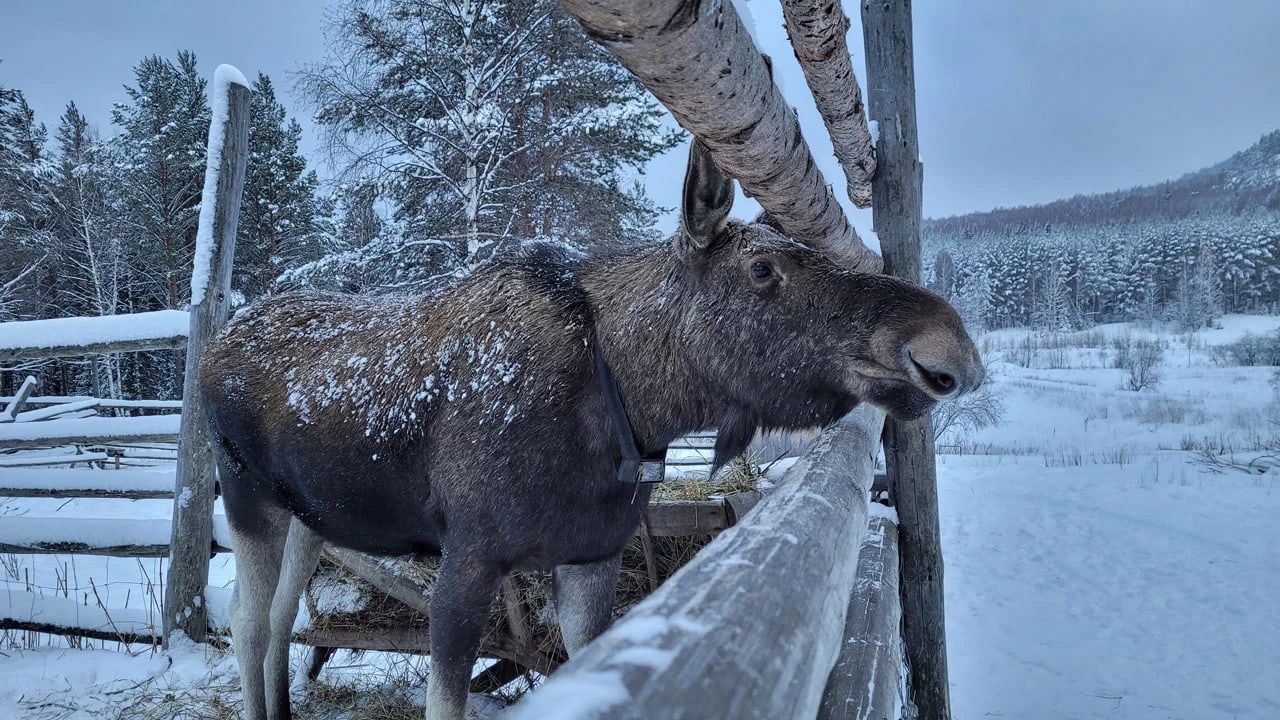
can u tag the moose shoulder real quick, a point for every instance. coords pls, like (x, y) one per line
(472, 423)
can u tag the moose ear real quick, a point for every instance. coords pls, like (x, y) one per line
(708, 196)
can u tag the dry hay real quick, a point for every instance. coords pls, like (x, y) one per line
(347, 603)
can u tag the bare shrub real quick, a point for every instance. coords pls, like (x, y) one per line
(1123, 346)
(1168, 411)
(1249, 351)
(1142, 363)
(968, 413)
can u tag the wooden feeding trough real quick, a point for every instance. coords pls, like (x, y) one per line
(365, 602)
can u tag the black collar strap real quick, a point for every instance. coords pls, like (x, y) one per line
(635, 468)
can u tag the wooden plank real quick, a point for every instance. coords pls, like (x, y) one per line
(101, 402)
(752, 626)
(376, 573)
(174, 342)
(90, 431)
(909, 453)
(866, 681)
(20, 460)
(184, 605)
(115, 537)
(407, 639)
(86, 483)
(15, 404)
(673, 518)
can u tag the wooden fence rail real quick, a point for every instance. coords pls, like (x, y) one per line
(753, 625)
(73, 337)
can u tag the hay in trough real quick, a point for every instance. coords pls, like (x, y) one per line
(522, 626)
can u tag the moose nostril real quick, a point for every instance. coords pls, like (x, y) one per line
(943, 383)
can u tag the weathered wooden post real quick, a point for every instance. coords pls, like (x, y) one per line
(11, 410)
(909, 459)
(185, 608)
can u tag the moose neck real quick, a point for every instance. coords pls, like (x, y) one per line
(639, 301)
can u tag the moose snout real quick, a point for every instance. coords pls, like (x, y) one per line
(944, 367)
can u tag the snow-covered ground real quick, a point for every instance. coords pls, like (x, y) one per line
(1096, 567)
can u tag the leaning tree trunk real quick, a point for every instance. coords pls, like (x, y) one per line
(699, 61)
(817, 30)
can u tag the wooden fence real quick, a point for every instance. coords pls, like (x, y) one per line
(795, 610)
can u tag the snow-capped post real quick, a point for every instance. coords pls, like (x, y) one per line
(817, 30)
(909, 458)
(728, 99)
(185, 608)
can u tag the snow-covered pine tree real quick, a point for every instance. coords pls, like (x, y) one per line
(359, 253)
(160, 157)
(160, 154)
(22, 210)
(587, 123)
(84, 242)
(279, 227)
(486, 122)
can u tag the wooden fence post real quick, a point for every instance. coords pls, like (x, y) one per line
(185, 608)
(909, 458)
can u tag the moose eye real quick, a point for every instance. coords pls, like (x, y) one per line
(761, 270)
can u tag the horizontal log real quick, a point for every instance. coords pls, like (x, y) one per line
(16, 461)
(101, 402)
(866, 681)
(21, 610)
(765, 649)
(78, 336)
(86, 483)
(90, 431)
(115, 537)
(53, 411)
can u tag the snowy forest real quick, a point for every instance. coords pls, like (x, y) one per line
(1184, 251)
(453, 129)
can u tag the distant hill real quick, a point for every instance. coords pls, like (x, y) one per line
(1246, 182)
(1184, 250)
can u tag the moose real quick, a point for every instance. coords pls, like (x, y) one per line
(487, 423)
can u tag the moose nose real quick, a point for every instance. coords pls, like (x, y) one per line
(947, 373)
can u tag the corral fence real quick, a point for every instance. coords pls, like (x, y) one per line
(812, 600)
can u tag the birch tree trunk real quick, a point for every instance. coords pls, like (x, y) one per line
(817, 33)
(698, 60)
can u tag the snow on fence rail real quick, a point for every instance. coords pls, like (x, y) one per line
(73, 336)
(134, 537)
(129, 484)
(90, 431)
(730, 635)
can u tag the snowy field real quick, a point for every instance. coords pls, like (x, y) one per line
(1103, 558)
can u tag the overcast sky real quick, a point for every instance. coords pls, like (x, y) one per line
(1020, 101)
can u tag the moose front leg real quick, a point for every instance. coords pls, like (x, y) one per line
(584, 600)
(464, 591)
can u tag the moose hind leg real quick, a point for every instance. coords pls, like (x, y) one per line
(464, 592)
(584, 597)
(301, 554)
(258, 552)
